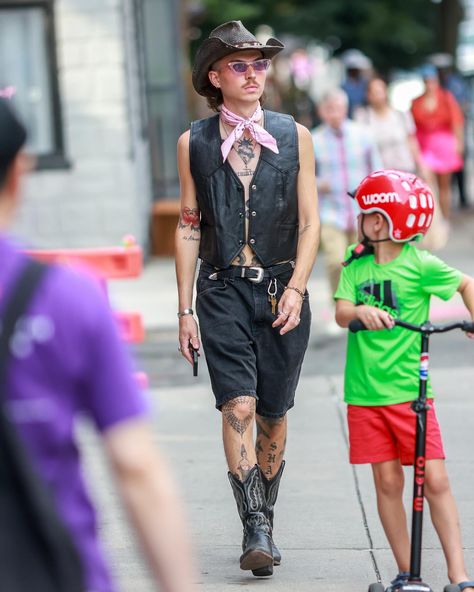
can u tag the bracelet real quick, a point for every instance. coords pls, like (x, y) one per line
(297, 290)
(186, 311)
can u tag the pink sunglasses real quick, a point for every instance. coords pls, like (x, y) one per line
(242, 67)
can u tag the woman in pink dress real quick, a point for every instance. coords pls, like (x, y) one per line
(439, 129)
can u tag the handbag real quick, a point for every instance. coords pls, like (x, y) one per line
(37, 553)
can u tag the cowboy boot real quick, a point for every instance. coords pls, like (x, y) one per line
(271, 487)
(251, 504)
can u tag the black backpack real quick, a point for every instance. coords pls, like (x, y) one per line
(36, 550)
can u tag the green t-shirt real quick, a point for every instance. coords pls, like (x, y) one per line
(382, 367)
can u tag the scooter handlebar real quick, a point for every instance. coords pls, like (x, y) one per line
(357, 325)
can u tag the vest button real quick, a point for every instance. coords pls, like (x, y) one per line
(241, 214)
(254, 213)
(252, 241)
(254, 187)
(241, 242)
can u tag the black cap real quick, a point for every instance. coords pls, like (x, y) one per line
(12, 134)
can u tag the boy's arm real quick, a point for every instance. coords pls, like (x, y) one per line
(373, 318)
(466, 289)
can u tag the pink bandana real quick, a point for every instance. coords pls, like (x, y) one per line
(7, 92)
(258, 133)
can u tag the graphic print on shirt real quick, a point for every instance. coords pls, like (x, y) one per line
(382, 295)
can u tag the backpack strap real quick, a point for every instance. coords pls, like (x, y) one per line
(39, 529)
(18, 297)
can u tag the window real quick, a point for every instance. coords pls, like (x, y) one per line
(28, 68)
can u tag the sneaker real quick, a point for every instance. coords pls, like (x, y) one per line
(402, 578)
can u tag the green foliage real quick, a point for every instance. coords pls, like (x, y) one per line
(393, 33)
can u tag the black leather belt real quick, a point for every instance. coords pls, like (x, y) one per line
(253, 274)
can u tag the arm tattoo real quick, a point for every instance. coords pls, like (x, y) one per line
(240, 425)
(304, 229)
(190, 217)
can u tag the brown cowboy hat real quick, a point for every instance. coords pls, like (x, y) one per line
(224, 40)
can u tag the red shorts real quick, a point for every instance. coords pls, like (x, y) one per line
(379, 434)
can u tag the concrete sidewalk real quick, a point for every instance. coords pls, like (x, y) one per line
(326, 522)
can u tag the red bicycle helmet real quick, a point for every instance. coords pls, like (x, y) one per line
(403, 198)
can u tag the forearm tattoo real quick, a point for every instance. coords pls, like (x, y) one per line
(240, 425)
(190, 218)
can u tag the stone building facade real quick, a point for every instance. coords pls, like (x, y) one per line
(89, 86)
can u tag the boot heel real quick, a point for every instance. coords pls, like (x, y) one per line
(256, 560)
(263, 572)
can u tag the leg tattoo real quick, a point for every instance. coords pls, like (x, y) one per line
(239, 424)
(244, 466)
(270, 444)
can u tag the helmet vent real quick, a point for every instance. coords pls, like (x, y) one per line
(413, 202)
(422, 200)
(406, 185)
(430, 201)
(411, 220)
(421, 220)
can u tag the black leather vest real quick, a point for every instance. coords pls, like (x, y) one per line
(273, 204)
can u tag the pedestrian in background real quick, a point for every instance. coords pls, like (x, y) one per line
(345, 153)
(358, 68)
(394, 131)
(439, 128)
(66, 362)
(249, 212)
(457, 85)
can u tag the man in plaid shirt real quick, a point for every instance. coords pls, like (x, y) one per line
(345, 153)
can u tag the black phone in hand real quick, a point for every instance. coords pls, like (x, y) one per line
(195, 356)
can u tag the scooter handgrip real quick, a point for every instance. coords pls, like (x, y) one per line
(356, 325)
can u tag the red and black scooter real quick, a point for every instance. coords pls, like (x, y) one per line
(414, 582)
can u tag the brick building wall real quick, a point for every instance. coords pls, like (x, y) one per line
(105, 193)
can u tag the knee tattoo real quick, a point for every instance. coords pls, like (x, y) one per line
(239, 413)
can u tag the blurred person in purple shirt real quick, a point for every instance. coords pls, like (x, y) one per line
(68, 361)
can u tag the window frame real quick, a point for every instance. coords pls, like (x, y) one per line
(57, 158)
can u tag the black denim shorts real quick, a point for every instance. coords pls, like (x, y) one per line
(244, 354)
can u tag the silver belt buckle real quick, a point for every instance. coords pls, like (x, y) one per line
(260, 272)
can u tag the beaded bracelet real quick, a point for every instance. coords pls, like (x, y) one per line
(297, 290)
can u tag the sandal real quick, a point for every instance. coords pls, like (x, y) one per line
(402, 578)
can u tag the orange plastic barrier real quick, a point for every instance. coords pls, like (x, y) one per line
(130, 326)
(108, 263)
